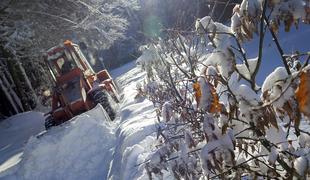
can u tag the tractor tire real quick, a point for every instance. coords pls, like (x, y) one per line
(104, 98)
(49, 122)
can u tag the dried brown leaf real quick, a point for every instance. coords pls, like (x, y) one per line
(303, 92)
(271, 117)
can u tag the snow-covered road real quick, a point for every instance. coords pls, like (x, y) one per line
(88, 147)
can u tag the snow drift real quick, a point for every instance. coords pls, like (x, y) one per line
(92, 147)
(14, 133)
(78, 149)
(136, 134)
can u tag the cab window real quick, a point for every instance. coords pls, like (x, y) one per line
(64, 65)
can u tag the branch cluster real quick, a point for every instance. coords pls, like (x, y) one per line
(212, 125)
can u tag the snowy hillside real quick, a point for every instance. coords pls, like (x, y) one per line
(87, 147)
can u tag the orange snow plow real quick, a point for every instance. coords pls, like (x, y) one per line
(77, 87)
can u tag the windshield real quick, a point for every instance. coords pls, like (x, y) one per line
(65, 65)
(62, 63)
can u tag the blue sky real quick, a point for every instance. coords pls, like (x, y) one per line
(290, 41)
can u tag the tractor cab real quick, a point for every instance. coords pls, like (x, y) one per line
(77, 86)
(64, 58)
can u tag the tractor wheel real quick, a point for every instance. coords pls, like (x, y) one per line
(107, 102)
(49, 122)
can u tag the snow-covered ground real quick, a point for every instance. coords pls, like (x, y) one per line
(136, 133)
(87, 147)
(14, 133)
(72, 151)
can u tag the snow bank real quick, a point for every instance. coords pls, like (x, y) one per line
(14, 133)
(136, 134)
(79, 149)
(88, 147)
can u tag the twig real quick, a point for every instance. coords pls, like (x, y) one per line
(261, 43)
(188, 56)
(275, 40)
(171, 79)
(245, 60)
(238, 165)
(181, 69)
(224, 10)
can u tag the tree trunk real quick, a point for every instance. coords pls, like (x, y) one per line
(7, 92)
(11, 101)
(27, 81)
(24, 88)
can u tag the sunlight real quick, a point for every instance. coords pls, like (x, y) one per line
(152, 22)
(152, 26)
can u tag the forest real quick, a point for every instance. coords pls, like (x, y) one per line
(109, 32)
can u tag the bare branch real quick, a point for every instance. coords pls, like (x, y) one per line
(276, 41)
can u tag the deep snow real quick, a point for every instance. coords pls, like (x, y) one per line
(74, 150)
(14, 133)
(136, 133)
(87, 147)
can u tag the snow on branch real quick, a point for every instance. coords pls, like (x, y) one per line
(222, 126)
